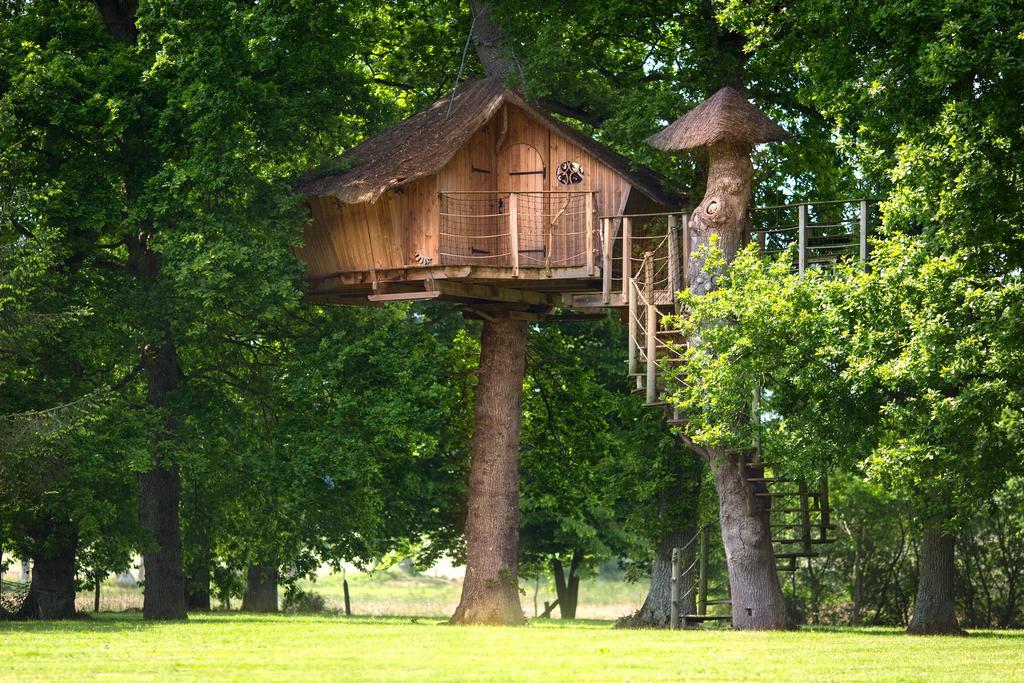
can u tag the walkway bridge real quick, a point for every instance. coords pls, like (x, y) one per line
(641, 274)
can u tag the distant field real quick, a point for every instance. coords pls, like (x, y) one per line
(394, 593)
(231, 646)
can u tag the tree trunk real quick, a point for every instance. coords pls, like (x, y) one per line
(260, 589)
(656, 610)
(490, 591)
(51, 594)
(160, 487)
(757, 601)
(568, 590)
(197, 597)
(489, 43)
(164, 589)
(934, 609)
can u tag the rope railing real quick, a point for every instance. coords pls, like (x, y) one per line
(518, 229)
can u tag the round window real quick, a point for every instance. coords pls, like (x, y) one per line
(569, 173)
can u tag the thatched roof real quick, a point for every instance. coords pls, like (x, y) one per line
(726, 116)
(423, 143)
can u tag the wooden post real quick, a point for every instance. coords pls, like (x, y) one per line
(805, 517)
(513, 226)
(755, 419)
(348, 603)
(760, 241)
(627, 254)
(686, 249)
(96, 595)
(864, 233)
(802, 246)
(633, 332)
(823, 507)
(652, 329)
(606, 260)
(674, 605)
(702, 588)
(590, 233)
(673, 257)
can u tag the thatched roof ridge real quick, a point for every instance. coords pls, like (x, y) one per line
(726, 116)
(422, 144)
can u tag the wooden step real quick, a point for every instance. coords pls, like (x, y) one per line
(707, 617)
(779, 494)
(793, 556)
(778, 480)
(813, 541)
(656, 404)
(718, 602)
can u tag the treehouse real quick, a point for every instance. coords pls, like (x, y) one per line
(481, 197)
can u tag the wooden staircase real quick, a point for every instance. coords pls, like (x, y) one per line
(798, 508)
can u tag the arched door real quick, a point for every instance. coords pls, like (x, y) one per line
(522, 170)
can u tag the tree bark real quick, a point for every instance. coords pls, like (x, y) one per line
(490, 591)
(678, 511)
(567, 588)
(934, 608)
(757, 601)
(260, 589)
(490, 44)
(51, 593)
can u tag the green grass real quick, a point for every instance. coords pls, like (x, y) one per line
(239, 647)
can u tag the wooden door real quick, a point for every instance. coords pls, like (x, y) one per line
(522, 171)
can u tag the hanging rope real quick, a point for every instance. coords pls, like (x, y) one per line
(462, 64)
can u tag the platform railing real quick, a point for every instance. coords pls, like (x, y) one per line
(542, 229)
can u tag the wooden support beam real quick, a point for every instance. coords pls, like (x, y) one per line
(632, 330)
(471, 291)
(864, 233)
(513, 226)
(403, 296)
(702, 586)
(652, 330)
(674, 604)
(673, 257)
(589, 222)
(802, 238)
(627, 254)
(606, 259)
(687, 245)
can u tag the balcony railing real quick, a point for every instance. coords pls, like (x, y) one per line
(518, 229)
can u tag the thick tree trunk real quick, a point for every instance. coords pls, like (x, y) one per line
(567, 588)
(51, 593)
(757, 601)
(164, 590)
(260, 589)
(934, 608)
(159, 487)
(490, 591)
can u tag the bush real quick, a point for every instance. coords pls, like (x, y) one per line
(298, 601)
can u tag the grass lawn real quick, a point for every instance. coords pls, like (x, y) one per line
(241, 647)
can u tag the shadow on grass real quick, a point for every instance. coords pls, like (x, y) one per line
(892, 631)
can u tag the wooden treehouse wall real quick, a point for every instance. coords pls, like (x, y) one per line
(403, 223)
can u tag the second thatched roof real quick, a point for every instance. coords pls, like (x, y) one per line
(423, 143)
(726, 116)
